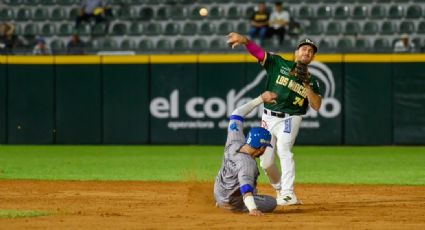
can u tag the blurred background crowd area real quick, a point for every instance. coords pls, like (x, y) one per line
(44, 27)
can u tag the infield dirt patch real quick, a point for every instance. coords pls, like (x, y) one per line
(190, 205)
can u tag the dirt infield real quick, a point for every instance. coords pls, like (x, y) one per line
(150, 205)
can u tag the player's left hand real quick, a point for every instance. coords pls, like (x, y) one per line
(302, 73)
(255, 212)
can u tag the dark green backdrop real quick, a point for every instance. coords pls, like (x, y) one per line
(381, 103)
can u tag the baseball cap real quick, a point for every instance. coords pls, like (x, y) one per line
(258, 137)
(308, 41)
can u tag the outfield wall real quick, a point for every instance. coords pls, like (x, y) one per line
(185, 99)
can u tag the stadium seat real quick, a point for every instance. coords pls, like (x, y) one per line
(73, 13)
(370, 28)
(233, 13)
(248, 12)
(381, 45)
(146, 45)
(341, 12)
(315, 28)
(150, 2)
(109, 44)
(47, 2)
(414, 11)
(40, 14)
(421, 28)
(99, 29)
(14, 2)
(345, 45)
(417, 42)
(181, 44)
(401, 1)
(67, 2)
(305, 12)
(126, 13)
(377, 12)
(65, 29)
(162, 14)
(31, 2)
(163, 45)
(178, 13)
(152, 29)
(119, 29)
(388, 28)
(359, 12)
(23, 14)
(326, 45)
(127, 44)
(330, 1)
(84, 30)
(242, 27)
(215, 13)
(199, 44)
(324, 12)
(92, 45)
(58, 14)
(48, 30)
(352, 28)
(207, 28)
(407, 27)
(136, 29)
(146, 14)
(57, 46)
(30, 30)
(190, 29)
(6, 14)
(334, 28)
(225, 28)
(395, 12)
(171, 29)
(362, 44)
(194, 13)
(218, 44)
(185, 2)
(365, 1)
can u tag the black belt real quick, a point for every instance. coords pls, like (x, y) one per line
(274, 114)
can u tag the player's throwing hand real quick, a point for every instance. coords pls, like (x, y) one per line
(235, 39)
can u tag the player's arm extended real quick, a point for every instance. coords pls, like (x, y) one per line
(314, 99)
(248, 199)
(245, 109)
(235, 39)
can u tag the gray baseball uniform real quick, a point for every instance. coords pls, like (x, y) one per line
(238, 171)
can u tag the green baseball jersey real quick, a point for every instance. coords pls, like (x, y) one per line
(292, 95)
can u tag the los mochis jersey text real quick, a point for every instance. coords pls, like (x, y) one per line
(292, 85)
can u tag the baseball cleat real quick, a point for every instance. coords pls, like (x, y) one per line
(287, 199)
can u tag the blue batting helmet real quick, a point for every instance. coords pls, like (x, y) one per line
(258, 137)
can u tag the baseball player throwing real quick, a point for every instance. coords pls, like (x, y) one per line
(296, 89)
(235, 184)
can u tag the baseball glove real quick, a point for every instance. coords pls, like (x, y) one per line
(302, 73)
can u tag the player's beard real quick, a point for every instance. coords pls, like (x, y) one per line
(304, 59)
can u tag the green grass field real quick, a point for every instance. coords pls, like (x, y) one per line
(336, 165)
(11, 214)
